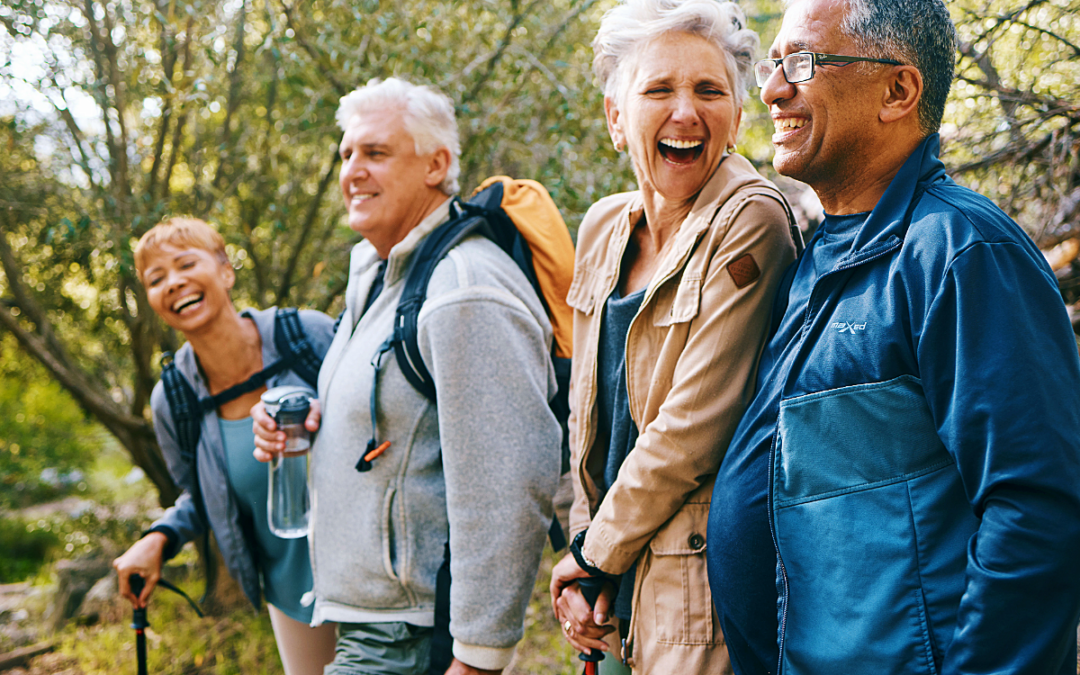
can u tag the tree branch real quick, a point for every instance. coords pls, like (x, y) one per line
(500, 50)
(326, 67)
(233, 102)
(309, 223)
(75, 382)
(26, 302)
(181, 119)
(1049, 33)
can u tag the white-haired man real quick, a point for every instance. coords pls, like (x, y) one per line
(478, 470)
(908, 473)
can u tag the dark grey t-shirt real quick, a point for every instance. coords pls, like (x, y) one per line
(614, 424)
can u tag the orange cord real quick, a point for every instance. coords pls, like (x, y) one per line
(377, 451)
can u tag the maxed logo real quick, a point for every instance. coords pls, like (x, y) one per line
(852, 328)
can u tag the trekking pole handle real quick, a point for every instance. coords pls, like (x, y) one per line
(138, 619)
(591, 587)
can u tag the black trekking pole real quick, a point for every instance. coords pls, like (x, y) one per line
(591, 588)
(139, 623)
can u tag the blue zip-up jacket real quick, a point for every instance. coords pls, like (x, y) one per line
(903, 494)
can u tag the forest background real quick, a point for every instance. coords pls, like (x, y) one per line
(117, 113)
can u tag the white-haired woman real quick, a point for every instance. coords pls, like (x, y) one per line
(672, 293)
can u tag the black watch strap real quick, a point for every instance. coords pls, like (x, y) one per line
(579, 557)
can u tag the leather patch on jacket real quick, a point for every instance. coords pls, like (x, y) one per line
(743, 270)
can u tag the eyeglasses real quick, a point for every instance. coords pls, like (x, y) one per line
(799, 67)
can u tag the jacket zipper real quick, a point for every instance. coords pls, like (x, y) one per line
(855, 261)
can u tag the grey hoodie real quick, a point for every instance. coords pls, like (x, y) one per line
(481, 467)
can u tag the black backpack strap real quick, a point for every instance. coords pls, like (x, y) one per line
(208, 403)
(294, 347)
(442, 643)
(433, 249)
(187, 412)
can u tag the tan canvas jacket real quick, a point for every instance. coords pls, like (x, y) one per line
(691, 357)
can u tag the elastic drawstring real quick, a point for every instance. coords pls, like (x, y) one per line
(374, 448)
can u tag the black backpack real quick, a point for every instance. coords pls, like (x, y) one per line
(519, 216)
(486, 213)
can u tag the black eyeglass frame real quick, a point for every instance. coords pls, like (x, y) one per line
(815, 60)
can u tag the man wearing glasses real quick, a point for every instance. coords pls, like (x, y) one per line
(903, 493)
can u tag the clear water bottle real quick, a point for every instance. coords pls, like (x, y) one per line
(287, 504)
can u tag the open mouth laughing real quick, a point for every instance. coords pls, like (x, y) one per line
(187, 302)
(679, 151)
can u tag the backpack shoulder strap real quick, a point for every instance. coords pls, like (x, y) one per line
(294, 347)
(433, 249)
(775, 194)
(187, 412)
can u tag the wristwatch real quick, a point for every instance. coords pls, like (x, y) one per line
(579, 557)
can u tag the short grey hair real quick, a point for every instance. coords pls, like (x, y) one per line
(916, 32)
(632, 23)
(428, 116)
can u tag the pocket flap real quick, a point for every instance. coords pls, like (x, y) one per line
(684, 534)
(583, 290)
(685, 302)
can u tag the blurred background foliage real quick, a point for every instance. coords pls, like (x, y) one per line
(117, 113)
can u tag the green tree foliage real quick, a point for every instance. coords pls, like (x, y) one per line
(1012, 126)
(41, 428)
(224, 109)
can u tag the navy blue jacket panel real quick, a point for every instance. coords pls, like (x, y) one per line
(903, 494)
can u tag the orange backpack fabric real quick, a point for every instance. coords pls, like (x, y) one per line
(529, 205)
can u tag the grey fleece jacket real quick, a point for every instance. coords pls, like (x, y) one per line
(480, 467)
(182, 518)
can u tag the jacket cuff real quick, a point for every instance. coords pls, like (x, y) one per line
(604, 553)
(173, 546)
(484, 658)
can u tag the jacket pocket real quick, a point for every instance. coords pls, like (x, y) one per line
(674, 603)
(389, 552)
(677, 302)
(859, 479)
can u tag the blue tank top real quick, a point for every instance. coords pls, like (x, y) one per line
(283, 563)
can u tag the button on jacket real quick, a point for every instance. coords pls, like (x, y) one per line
(691, 354)
(915, 451)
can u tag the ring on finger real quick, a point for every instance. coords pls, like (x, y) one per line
(568, 627)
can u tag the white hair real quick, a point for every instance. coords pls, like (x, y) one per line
(428, 116)
(632, 23)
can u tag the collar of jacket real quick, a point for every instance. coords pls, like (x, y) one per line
(733, 173)
(397, 263)
(888, 222)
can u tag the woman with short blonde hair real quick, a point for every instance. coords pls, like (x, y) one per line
(183, 265)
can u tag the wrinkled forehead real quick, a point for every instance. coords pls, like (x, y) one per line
(812, 26)
(375, 126)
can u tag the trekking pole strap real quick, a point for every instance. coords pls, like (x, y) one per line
(174, 589)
